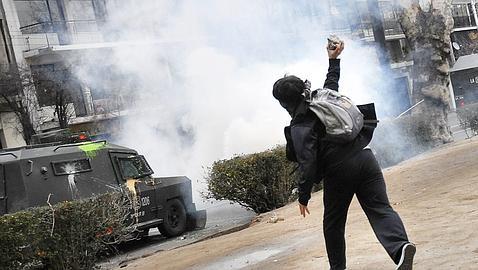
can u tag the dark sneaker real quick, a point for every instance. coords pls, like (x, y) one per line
(406, 260)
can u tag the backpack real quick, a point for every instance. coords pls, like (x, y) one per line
(341, 117)
(370, 119)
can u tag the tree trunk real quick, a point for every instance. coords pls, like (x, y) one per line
(23, 115)
(61, 108)
(428, 33)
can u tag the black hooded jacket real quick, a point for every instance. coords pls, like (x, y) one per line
(316, 156)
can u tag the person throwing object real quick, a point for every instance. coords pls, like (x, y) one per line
(346, 169)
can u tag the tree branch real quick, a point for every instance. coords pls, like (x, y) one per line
(53, 214)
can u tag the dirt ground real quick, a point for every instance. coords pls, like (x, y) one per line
(436, 195)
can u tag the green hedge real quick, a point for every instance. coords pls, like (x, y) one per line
(70, 235)
(395, 140)
(468, 118)
(260, 181)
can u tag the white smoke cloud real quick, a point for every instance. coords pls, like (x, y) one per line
(205, 71)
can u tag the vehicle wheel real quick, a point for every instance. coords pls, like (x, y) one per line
(175, 219)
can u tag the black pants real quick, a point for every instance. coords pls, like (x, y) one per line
(360, 175)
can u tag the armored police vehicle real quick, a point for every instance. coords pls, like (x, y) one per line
(28, 175)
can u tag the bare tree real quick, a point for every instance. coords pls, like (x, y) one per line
(56, 89)
(62, 109)
(428, 29)
(16, 92)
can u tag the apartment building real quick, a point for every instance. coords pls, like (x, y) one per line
(463, 59)
(47, 37)
(464, 72)
(9, 135)
(397, 51)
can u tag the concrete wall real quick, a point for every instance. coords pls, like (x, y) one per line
(18, 40)
(9, 124)
(6, 49)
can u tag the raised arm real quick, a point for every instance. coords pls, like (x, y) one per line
(333, 74)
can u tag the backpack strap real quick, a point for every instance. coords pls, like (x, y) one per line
(289, 147)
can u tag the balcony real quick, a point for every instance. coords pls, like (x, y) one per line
(392, 30)
(48, 34)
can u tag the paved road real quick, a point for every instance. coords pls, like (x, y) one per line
(223, 217)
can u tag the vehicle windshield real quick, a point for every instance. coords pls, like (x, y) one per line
(134, 167)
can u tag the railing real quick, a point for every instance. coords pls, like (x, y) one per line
(75, 26)
(366, 30)
(463, 21)
(47, 34)
(390, 28)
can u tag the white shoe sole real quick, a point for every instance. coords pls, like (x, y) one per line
(406, 260)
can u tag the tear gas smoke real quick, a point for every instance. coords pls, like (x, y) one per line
(202, 74)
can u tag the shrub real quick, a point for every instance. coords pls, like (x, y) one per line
(21, 239)
(69, 235)
(395, 140)
(468, 118)
(260, 181)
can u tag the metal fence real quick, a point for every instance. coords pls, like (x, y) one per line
(75, 26)
(47, 34)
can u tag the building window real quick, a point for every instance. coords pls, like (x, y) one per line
(365, 20)
(71, 166)
(48, 82)
(99, 7)
(33, 12)
(463, 15)
(46, 16)
(57, 86)
(390, 19)
(464, 42)
(391, 26)
(398, 50)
